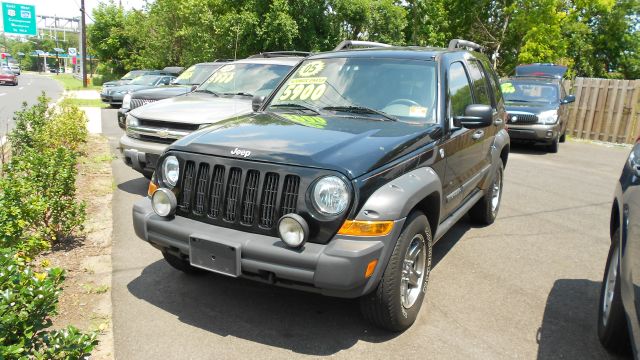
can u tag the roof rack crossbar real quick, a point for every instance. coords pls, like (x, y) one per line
(270, 54)
(349, 44)
(464, 44)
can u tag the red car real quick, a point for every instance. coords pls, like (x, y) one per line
(8, 77)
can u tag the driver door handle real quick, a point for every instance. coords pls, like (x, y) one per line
(478, 135)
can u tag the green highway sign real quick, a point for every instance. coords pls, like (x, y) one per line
(19, 19)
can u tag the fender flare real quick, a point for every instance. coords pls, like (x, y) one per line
(395, 199)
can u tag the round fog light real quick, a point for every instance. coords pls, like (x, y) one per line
(293, 230)
(164, 202)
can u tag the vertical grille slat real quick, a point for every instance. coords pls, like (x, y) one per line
(290, 194)
(217, 189)
(232, 196)
(201, 189)
(187, 185)
(269, 197)
(250, 197)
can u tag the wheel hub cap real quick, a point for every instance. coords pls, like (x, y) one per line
(496, 192)
(413, 271)
(610, 285)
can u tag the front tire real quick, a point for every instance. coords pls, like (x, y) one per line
(612, 322)
(554, 146)
(485, 211)
(563, 138)
(396, 301)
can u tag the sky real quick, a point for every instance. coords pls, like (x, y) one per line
(71, 8)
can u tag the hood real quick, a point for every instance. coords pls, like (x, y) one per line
(531, 107)
(7, 76)
(194, 108)
(127, 88)
(161, 92)
(116, 82)
(352, 146)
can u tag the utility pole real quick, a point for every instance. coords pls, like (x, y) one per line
(83, 45)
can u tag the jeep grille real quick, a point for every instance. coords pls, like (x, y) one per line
(235, 195)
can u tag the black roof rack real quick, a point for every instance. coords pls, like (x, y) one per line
(464, 44)
(350, 44)
(271, 54)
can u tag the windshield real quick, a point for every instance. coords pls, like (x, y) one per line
(522, 91)
(195, 75)
(144, 80)
(245, 79)
(5, 71)
(133, 74)
(383, 88)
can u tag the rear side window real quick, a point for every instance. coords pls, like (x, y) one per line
(459, 90)
(480, 86)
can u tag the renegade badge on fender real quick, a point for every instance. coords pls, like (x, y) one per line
(341, 181)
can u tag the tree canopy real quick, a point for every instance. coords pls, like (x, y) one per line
(596, 38)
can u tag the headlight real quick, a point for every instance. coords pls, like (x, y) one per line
(132, 121)
(126, 101)
(331, 195)
(548, 117)
(170, 171)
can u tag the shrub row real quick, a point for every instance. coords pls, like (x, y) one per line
(38, 208)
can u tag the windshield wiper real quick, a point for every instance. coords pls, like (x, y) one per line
(296, 106)
(207, 91)
(518, 100)
(361, 110)
(239, 93)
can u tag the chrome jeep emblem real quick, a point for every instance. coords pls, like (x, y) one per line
(239, 152)
(163, 133)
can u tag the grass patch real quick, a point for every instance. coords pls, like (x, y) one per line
(86, 102)
(71, 83)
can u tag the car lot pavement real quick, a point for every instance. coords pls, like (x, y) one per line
(525, 287)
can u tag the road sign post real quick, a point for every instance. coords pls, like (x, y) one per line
(19, 19)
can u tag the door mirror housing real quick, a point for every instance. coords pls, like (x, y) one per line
(257, 102)
(193, 87)
(568, 99)
(475, 116)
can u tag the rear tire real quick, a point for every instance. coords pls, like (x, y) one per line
(396, 301)
(612, 331)
(485, 211)
(181, 264)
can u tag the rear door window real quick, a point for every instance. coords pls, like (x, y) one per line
(480, 86)
(459, 90)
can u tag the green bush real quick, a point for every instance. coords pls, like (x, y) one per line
(37, 190)
(28, 299)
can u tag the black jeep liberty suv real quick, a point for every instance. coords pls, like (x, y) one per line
(341, 180)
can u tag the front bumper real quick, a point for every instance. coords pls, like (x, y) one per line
(334, 269)
(112, 99)
(140, 155)
(122, 117)
(538, 133)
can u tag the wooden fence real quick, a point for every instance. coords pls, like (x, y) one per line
(605, 110)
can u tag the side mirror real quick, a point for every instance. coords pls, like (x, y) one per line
(257, 102)
(569, 99)
(193, 87)
(475, 116)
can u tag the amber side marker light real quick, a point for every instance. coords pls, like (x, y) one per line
(152, 188)
(371, 268)
(365, 228)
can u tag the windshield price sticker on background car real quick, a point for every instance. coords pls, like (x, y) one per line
(224, 75)
(507, 88)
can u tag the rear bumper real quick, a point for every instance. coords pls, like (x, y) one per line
(334, 269)
(112, 100)
(535, 133)
(140, 155)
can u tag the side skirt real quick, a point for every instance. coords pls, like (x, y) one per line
(453, 218)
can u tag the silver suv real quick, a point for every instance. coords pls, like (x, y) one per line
(227, 93)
